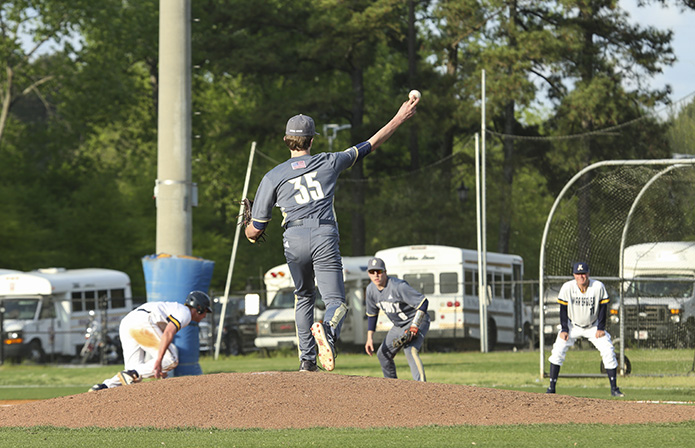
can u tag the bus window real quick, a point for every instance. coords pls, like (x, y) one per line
(507, 283)
(103, 299)
(499, 285)
(48, 310)
(77, 301)
(89, 300)
(117, 298)
(448, 283)
(421, 282)
(471, 285)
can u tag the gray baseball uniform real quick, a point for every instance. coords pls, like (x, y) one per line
(303, 188)
(399, 301)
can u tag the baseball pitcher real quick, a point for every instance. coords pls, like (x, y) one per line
(303, 188)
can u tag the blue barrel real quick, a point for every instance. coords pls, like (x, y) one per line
(169, 278)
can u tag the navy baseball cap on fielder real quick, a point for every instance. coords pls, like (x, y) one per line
(301, 126)
(580, 268)
(376, 264)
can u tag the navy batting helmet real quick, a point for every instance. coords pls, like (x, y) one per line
(199, 301)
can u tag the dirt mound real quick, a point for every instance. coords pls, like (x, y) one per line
(275, 400)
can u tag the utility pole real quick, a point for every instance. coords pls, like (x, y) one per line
(173, 188)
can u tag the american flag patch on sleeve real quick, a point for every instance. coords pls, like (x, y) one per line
(298, 165)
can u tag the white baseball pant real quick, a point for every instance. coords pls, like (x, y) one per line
(140, 338)
(603, 344)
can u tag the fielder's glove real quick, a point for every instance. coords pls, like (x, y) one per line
(406, 337)
(245, 214)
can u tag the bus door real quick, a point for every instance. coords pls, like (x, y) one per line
(517, 296)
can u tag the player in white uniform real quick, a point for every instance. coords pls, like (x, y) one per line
(583, 309)
(146, 334)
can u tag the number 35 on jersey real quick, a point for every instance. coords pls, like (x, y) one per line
(307, 188)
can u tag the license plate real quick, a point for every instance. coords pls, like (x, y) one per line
(642, 335)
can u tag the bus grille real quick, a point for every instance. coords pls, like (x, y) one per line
(278, 328)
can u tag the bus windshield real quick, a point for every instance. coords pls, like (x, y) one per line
(20, 308)
(285, 299)
(662, 288)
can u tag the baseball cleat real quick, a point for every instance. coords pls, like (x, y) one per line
(326, 351)
(550, 391)
(128, 377)
(308, 366)
(616, 393)
(97, 387)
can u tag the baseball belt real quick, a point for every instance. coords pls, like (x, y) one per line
(300, 222)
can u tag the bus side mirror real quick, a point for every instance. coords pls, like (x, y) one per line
(252, 304)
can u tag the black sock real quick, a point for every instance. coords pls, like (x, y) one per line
(612, 374)
(554, 373)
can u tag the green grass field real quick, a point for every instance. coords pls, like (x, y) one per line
(504, 370)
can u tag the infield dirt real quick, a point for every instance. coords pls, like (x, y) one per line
(275, 400)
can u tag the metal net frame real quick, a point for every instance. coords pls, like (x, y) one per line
(604, 209)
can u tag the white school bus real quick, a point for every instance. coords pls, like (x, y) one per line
(658, 294)
(276, 325)
(448, 277)
(47, 310)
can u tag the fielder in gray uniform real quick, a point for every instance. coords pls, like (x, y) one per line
(583, 309)
(303, 188)
(407, 309)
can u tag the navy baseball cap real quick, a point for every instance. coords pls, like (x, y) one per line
(580, 268)
(376, 264)
(301, 125)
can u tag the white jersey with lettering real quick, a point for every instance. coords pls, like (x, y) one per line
(582, 307)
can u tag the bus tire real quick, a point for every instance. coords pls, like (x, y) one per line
(231, 345)
(36, 353)
(491, 335)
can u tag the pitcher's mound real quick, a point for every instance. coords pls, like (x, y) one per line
(275, 400)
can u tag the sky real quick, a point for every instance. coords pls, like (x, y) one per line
(681, 76)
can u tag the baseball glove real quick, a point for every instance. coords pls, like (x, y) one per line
(406, 337)
(247, 207)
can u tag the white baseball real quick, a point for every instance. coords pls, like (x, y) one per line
(414, 94)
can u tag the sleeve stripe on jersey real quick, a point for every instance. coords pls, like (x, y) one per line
(562, 302)
(424, 299)
(372, 315)
(355, 157)
(173, 320)
(361, 150)
(606, 300)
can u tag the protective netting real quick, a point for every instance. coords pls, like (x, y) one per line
(643, 208)
(589, 221)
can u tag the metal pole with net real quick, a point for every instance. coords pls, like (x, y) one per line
(634, 203)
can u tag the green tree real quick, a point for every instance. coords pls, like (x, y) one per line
(604, 59)
(28, 28)
(681, 131)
